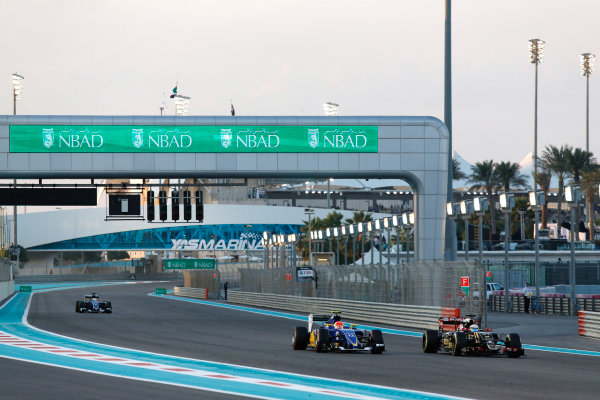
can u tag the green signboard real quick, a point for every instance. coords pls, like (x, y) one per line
(25, 289)
(192, 139)
(160, 291)
(190, 263)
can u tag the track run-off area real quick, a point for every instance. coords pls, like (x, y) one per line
(155, 346)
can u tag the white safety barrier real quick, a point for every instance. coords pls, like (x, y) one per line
(419, 317)
(197, 293)
(589, 324)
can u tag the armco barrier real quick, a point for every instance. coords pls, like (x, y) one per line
(419, 317)
(589, 324)
(197, 293)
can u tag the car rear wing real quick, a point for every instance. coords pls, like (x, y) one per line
(316, 318)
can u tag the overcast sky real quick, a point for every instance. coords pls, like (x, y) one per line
(280, 57)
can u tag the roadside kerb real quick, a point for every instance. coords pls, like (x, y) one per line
(419, 317)
(589, 324)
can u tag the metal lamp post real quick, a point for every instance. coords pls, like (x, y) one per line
(537, 200)
(480, 205)
(336, 235)
(352, 229)
(507, 203)
(361, 230)
(587, 67)
(452, 210)
(397, 223)
(387, 225)
(536, 55)
(344, 232)
(247, 228)
(266, 239)
(18, 82)
(309, 212)
(466, 210)
(370, 230)
(573, 196)
(408, 220)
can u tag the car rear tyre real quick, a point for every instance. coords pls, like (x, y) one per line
(78, 306)
(108, 307)
(322, 340)
(431, 341)
(377, 339)
(300, 339)
(459, 342)
(513, 340)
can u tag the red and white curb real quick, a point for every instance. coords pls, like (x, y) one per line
(12, 340)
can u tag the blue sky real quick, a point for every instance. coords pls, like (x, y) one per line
(276, 57)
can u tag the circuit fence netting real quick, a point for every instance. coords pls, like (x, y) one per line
(419, 283)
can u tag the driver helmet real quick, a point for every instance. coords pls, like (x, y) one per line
(474, 327)
(338, 325)
(469, 322)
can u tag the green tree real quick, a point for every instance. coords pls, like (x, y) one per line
(580, 162)
(507, 175)
(117, 255)
(483, 177)
(556, 160)
(589, 186)
(457, 173)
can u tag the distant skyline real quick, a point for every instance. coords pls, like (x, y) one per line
(273, 57)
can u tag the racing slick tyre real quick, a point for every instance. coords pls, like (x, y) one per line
(377, 339)
(513, 340)
(108, 307)
(458, 343)
(300, 339)
(78, 306)
(431, 341)
(322, 340)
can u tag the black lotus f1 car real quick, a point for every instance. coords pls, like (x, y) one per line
(329, 333)
(92, 303)
(461, 336)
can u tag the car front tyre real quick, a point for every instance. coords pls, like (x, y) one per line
(459, 342)
(377, 339)
(300, 338)
(431, 341)
(322, 340)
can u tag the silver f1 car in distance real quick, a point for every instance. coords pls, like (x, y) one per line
(93, 304)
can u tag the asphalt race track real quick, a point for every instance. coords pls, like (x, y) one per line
(203, 332)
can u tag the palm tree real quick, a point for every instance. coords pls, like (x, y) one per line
(589, 185)
(544, 176)
(457, 173)
(483, 177)
(508, 174)
(580, 162)
(555, 160)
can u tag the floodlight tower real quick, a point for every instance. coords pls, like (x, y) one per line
(536, 55)
(587, 67)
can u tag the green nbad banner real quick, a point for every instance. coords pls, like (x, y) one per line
(190, 263)
(192, 139)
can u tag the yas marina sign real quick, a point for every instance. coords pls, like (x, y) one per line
(192, 139)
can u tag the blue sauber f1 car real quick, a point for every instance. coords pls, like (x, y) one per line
(92, 303)
(328, 333)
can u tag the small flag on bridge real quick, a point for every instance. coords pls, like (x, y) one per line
(232, 110)
(174, 92)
